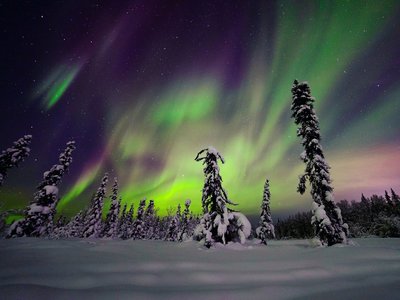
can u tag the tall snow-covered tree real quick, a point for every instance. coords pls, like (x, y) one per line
(11, 157)
(327, 219)
(184, 224)
(139, 225)
(39, 215)
(266, 229)
(93, 222)
(110, 228)
(219, 223)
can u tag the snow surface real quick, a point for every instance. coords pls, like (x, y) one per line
(115, 269)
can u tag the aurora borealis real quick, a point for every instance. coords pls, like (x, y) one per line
(142, 86)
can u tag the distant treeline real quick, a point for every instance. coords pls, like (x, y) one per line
(377, 216)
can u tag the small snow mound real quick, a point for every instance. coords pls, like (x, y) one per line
(316, 243)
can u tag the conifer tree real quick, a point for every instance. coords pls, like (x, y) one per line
(75, 226)
(158, 229)
(110, 228)
(38, 220)
(93, 222)
(266, 229)
(219, 223)
(327, 218)
(172, 233)
(387, 198)
(395, 197)
(364, 199)
(172, 230)
(179, 212)
(129, 222)
(150, 221)
(389, 207)
(13, 156)
(139, 226)
(184, 224)
(121, 222)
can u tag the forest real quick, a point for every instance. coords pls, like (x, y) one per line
(328, 221)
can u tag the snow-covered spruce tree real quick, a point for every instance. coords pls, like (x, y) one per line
(121, 222)
(184, 224)
(172, 233)
(110, 228)
(39, 215)
(158, 233)
(172, 230)
(266, 229)
(129, 223)
(163, 226)
(93, 222)
(138, 232)
(219, 223)
(75, 227)
(13, 156)
(150, 221)
(327, 219)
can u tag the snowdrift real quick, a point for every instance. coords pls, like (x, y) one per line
(106, 269)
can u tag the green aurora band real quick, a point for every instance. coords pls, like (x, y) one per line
(54, 87)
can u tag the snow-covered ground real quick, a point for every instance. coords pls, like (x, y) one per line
(101, 269)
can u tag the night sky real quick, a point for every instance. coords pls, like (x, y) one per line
(142, 86)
